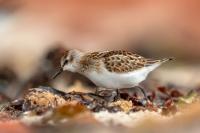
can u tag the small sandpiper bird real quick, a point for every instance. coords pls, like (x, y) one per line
(110, 69)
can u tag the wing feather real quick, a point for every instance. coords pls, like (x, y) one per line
(118, 61)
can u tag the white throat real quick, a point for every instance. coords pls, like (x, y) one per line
(74, 65)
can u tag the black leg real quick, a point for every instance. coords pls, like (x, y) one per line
(117, 96)
(143, 92)
(96, 91)
(117, 92)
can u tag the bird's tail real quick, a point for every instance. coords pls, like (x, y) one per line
(167, 59)
(152, 61)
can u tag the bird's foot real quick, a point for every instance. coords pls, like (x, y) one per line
(98, 91)
(145, 100)
(117, 95)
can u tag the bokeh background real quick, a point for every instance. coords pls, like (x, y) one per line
(35, 32)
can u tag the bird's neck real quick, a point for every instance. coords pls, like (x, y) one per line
(77, 61)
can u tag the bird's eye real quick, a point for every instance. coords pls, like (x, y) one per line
(66, 61)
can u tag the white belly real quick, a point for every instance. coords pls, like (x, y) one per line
(110, 80)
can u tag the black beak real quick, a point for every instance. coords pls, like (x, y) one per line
(57, 73)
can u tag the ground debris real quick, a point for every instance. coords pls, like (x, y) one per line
(126, 106)
(42, 99)
(49, 104)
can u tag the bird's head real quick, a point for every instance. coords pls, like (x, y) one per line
(69, 61)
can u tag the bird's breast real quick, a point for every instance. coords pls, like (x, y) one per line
(112, 80)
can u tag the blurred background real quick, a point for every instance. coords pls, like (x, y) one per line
(34, 34)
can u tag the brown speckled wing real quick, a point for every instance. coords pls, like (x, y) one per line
(122, 61)
(118, 61)
(92, 61)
